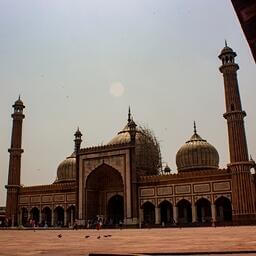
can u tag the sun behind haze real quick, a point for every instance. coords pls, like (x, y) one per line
(82, 63)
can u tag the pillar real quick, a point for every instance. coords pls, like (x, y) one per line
(141, 215)
(65, 217)
(157, 215)
(52, 220)
(175, 214)
(40, 216)
(213, 210)
(20, 218)
(72, 217)
(194, 213)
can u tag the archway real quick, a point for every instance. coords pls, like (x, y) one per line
(101, 182)
(47, 216)
(24, 216)
(149, 213)
(166, 212)
(184, 211)
(115, 212)
(203, 208)
(59, 216)
(34, 213)
(71, 213)
(223, 209)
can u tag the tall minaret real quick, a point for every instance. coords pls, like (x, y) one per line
(243, 195)
(78, 140)
(134, 186)
(15, 163)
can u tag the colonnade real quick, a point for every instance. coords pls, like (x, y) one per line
(47, 216)
(203, 211)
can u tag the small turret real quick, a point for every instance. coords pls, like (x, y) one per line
(78, 140)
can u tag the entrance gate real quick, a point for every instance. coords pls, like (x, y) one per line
(104, 182)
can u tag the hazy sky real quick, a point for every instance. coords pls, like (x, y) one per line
(84, 62)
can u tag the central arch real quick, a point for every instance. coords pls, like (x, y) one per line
(101, 184)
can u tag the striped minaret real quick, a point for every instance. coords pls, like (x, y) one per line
(243, 194)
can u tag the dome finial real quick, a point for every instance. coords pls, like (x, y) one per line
(129, 115)
(226, 44)
(195, 132)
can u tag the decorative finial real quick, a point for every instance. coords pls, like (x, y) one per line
(251, 159)
(129, 114)
(194, 127)
(19, 96)
(226, 43)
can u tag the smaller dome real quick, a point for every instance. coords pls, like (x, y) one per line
(197, 154)
(18, 102)
(67, 170)
(167, 169)
(226, 49)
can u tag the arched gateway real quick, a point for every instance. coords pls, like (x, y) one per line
(104, 194)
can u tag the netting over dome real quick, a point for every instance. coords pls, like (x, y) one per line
(197, 154)
(148, 156)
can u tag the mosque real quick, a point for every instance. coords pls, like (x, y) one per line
(121, 182)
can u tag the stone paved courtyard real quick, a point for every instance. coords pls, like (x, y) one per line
(72, 242)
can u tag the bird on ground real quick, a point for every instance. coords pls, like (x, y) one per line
(87, 236)
(98, 237)
(60, 236)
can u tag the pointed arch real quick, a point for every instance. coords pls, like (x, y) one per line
(203, 208)
(223, 209)
(102, 181)
(35, 214)
(148, 212)
(166, 212)
(184, 211)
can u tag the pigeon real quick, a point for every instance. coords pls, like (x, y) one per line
(60, 236)
(105, 235)
(109, 235)
(87, 236)
(98, 237)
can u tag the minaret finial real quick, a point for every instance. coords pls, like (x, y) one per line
(19, 96)
(226, 44)
(194, 127)
(129, 114)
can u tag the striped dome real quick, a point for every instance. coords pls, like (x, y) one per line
(197, 154)
(67, 169)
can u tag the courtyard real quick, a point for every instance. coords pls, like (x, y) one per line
(164, 240)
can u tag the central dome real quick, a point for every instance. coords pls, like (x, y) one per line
(147, 151)
(197, 154)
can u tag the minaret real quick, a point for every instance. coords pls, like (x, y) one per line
(78, 140)
(243, 195)
(134, 189)
(15, 163)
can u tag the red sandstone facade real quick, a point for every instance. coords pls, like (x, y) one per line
(115, 182)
